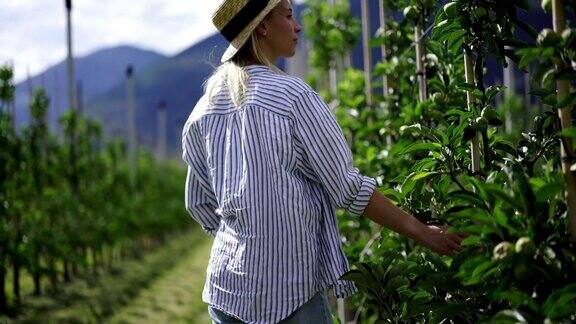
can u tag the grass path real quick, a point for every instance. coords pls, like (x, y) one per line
(164, 286)
(175, 297)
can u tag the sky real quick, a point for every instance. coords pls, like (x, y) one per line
(33, 32)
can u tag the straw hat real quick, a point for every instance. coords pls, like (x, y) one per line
(237, 19)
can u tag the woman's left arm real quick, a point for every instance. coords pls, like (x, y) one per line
(199, 196)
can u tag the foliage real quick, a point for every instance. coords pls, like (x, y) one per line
(62, 200)
(519, 263)
(332, 31)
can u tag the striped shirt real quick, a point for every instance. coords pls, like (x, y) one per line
(265, 180)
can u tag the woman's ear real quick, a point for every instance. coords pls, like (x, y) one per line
(262, 29)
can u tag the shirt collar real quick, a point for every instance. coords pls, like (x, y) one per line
(257, 68)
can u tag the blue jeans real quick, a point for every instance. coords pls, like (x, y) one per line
(316, 310)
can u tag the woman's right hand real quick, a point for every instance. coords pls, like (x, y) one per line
(382, 211)
(437, 239)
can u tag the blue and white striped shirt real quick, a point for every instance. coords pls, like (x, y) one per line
(265, 180)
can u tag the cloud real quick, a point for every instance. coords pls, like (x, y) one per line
(33, 33)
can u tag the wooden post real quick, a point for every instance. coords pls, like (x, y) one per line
(332, 72)
(510, 83)
(29, 85)
(161, 136)
(131, 113)
(70, 60)
(420, 69)
(475, 147)
(367, 52)
(527, 102)
(3, 294)
(383, 47)
(56, 104)
(559, 23)
(79, 97)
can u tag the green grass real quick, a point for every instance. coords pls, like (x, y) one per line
(98, 299)
(176, 297)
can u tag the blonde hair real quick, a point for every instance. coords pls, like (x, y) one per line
(232, 75)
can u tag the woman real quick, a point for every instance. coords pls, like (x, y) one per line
(267, 167)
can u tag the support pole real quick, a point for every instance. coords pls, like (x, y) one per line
(385, 92)
(161, 136)
(367, 52)
(130, 105)
(70, 59)
(332, 72)
(383, 47)
(475, 147)
(510, 83)
(420, 69)
(79, 97)
(559, 23)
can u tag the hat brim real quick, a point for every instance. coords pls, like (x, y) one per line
(241, 39)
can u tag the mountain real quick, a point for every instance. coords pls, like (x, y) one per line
(98, 72)
(179, 82)
(176, 80)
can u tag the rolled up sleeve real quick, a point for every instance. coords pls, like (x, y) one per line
(328, 155)
(199, 197)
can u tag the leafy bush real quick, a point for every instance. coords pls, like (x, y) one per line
(519, 261)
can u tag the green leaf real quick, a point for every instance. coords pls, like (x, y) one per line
(360, 279)
(455, 41)
(396, 283)
(443, 312)
(567, 101)
(511, 316)
(436, 261)
(569, 132)
(392, 194)
(504, 147)
(518, 298)
(465, 86)
(470, 240)
(492, 91)
(502, 219)
(425, 164)
(549, 190)
(470, 197)
(528, 55)
(420, 146)
(501, 195)
(413, 178)
(423, 174)
(552, 308)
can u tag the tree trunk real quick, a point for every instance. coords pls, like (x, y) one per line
(66, 275)
(36, 274)
(94, 262)
(559, 22)
(110, 256)
(16, 279)
(37, 283)
(53, 274)
(74, 264)
(3, 297)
